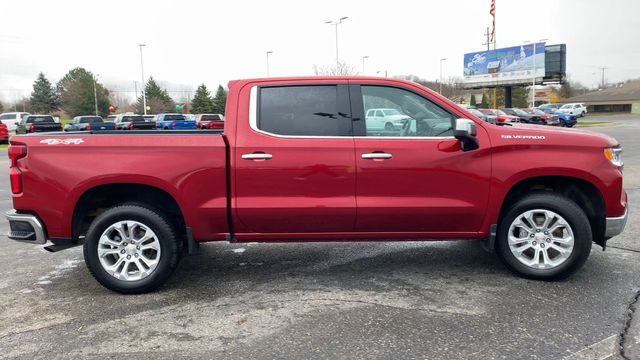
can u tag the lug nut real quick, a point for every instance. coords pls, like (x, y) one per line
(122, 251)
(534, 243)
(138, 247)
(537, 230)
(128, 257)
(542, 245)
(136, 254)
(124, 244)
(531, 235)
(546, 233)
(133, 242)
(548, 240)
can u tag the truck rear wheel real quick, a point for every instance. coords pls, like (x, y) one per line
(544, 236)
(131, 249)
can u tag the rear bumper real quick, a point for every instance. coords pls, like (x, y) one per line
(25, 228)
(615, 225)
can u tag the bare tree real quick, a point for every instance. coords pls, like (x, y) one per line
(339, 69)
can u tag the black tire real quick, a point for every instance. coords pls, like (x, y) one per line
(564, 207)
(170, 246)
(583, 114)
(562, 123)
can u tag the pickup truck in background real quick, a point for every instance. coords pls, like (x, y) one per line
(12, 119)
(38, 123)
(210, 121)
(133, 122)
(174, 122)
(89, 122)
(298, 161)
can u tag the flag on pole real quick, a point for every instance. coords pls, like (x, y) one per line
(492, 11)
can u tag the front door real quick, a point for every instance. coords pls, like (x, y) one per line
(415, 178)
(294, 161)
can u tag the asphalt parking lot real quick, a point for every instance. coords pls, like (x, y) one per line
(437, 300)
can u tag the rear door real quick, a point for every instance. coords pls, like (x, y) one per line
(295, 164)
(416, 179)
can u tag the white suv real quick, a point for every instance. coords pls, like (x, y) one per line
(12, 119)
(574, 109)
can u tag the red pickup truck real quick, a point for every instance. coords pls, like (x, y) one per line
(300, 161)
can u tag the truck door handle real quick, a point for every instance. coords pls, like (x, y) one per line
(376, 155)
(257, 156)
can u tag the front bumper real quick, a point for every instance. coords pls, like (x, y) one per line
(25, 228)
(615, 225)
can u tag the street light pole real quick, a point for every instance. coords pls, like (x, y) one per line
(144, 95)
(95, 92)
(268, 52)
(363, 58)
(533, 82)
(441, 60)
(336, 23)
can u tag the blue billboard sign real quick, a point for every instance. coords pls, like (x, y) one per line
(512, 65)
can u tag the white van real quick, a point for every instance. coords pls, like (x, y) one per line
(12, 119)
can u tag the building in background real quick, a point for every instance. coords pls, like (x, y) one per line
(624, 97)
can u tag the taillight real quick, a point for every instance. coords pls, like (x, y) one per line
(16, 152)
(131, 126)
(173, 125)
(88, 128)
(32, 128)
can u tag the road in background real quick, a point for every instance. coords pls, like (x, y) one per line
(436, 300)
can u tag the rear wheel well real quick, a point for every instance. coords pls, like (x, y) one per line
(101, 198)
(583, 193)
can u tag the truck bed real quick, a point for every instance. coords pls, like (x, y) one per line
(188, 165)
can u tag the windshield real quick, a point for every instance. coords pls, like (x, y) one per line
(519, 112)
(500, 112)
(389, 112)
(566, 106)
(174, 117)
(90, 119)
(476, 112)
(487, 112)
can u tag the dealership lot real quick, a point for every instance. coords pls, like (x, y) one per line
(337, 300)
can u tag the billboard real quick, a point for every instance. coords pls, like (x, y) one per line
(506, 66)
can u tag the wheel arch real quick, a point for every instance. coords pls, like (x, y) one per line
(95, 200)
(583, 192)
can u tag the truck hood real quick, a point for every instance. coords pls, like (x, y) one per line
(545, 135)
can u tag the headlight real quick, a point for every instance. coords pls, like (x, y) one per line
(615, 156)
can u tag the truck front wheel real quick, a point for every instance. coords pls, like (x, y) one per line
(131, 249)
(544, 236)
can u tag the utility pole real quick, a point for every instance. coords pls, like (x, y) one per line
(603, 69)
(95, 92)
(488, 36)
(441, 60)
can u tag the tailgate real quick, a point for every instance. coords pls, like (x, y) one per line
(43, 127)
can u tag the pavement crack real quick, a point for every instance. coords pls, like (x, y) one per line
(622, 248)
(631, 310)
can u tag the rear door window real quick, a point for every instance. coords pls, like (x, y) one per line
(302, 111)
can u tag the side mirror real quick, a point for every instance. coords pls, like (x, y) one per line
(465, 131)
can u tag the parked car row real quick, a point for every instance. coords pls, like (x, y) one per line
(539, 116)
(130, 121)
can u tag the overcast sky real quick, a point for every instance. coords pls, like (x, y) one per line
(194, 41)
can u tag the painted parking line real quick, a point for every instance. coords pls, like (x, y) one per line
(603, 349)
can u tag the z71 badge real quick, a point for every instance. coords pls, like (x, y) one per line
(62, 141)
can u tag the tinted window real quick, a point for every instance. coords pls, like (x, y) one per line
(7, 117)
(413, 115)
(302, 110)
(135, 118)
(210, 118)
(176, 117)
(39, 119)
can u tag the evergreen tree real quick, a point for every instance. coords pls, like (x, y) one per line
(76, 91)
(520, 97)
(1, 107)
(202, 102)
(44, 99)
(472, 102)
(158, 99)
(484, 103)
(220, 100)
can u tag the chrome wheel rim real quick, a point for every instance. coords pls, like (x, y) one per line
(540, 239)
(129, 250)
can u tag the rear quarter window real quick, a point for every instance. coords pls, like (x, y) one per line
(301, 110)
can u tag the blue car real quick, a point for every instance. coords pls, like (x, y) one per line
(174, 122)
(565, 120)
